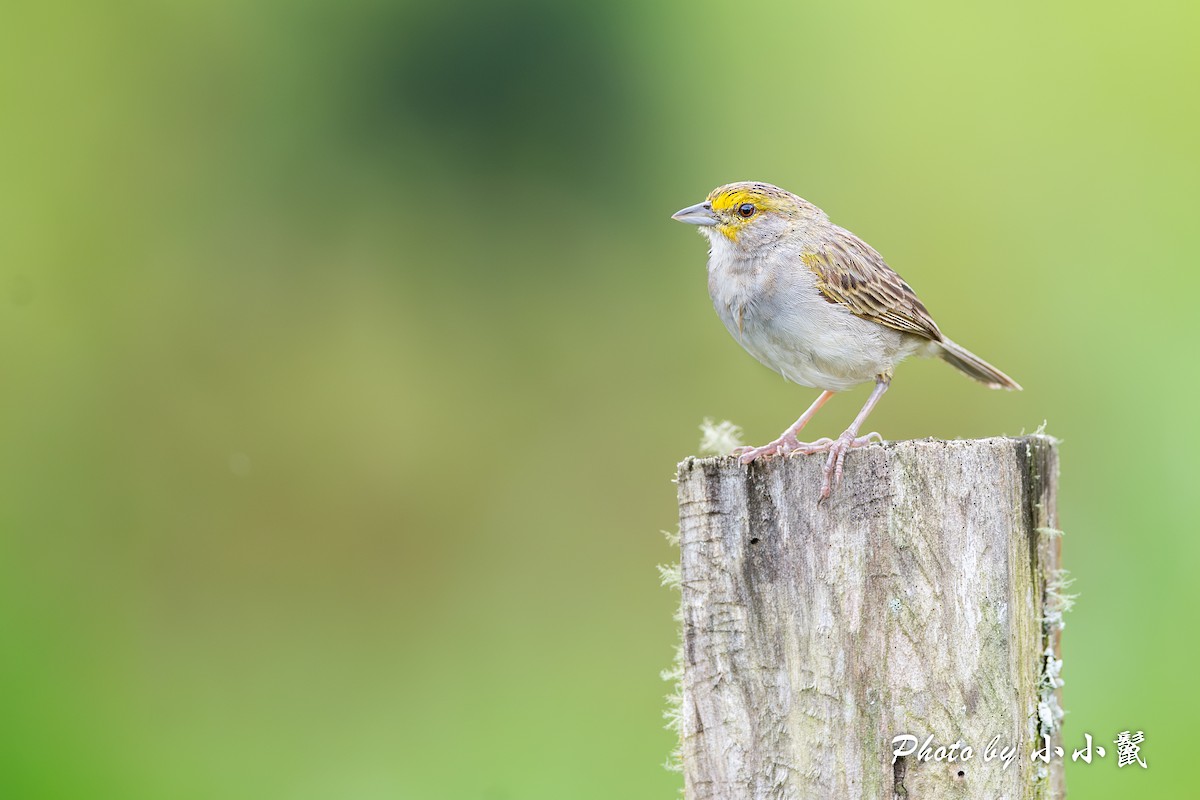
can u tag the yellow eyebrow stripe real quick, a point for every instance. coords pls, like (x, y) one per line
(728, 199)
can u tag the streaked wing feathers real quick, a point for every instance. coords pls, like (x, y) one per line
(850, 273)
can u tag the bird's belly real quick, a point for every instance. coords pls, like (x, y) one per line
(813, 342)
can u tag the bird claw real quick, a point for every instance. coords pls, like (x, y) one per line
(837, 448)
(783, 446)
(780, 447)
(819, 446)
(837, 457)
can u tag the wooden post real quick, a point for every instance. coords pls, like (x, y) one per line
(922, 599)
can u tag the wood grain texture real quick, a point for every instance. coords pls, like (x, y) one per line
(912, 602)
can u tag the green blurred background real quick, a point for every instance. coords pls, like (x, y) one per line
(348, 350)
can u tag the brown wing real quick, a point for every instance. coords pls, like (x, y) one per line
(850, 273)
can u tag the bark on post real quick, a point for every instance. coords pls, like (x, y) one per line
(920, 599)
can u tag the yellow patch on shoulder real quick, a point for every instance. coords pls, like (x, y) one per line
(812, 260)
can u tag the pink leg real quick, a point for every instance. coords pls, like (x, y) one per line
(787, 441)
(850, 438)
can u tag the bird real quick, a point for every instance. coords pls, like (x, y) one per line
(818, 305)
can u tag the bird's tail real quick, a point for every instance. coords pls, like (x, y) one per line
(976, 367)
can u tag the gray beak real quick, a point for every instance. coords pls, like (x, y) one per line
(699, 214)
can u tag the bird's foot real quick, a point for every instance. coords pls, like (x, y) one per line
(780, 447)
(837, 449)
(785, 445)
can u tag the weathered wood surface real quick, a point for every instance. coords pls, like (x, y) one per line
(914, 601)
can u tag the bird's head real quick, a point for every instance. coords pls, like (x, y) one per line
(747, 214)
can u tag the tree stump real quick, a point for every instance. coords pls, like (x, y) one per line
(921, 600)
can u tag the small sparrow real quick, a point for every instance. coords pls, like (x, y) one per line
(816, 304)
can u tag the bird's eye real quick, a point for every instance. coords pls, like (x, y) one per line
(746, 210)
